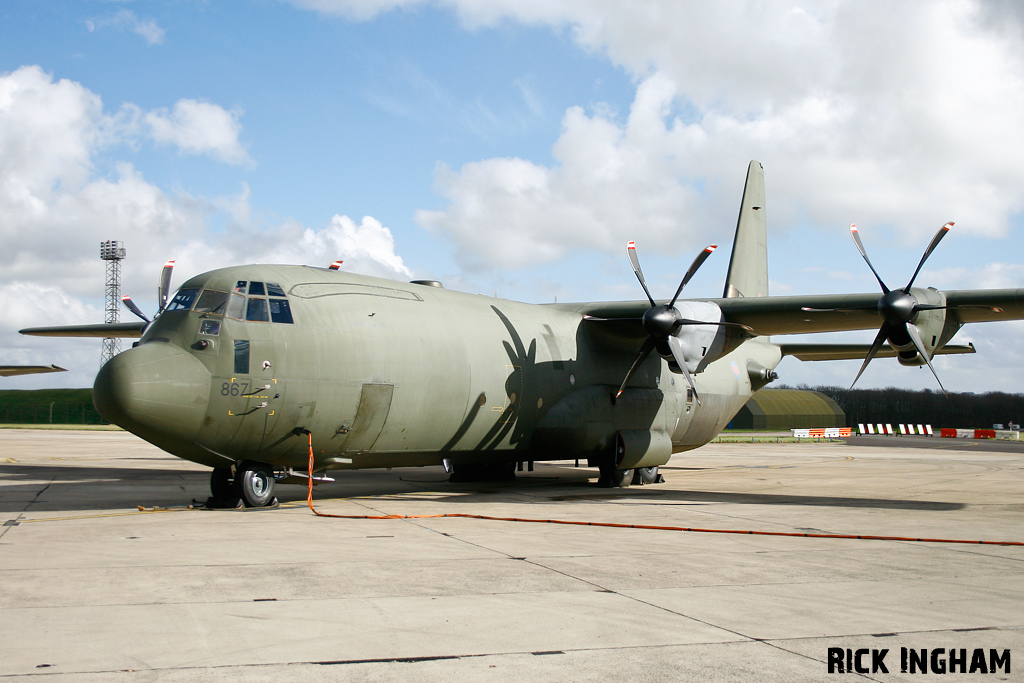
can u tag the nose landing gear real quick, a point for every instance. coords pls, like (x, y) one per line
(251, 484)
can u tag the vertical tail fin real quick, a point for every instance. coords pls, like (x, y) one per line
(748, 267)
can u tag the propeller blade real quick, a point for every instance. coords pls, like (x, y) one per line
(677, 352)
(883, 334)
(860, 248)
(915, 336)
(130, 305)
(697, 263)
(165, 284)
(631, 252)
(645, 351)
(928, 252)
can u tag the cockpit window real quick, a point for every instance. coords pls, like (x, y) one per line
(211, 301)
(183, 300)
(253, 308)
(280, 311)
(235, 306)
(257, 311)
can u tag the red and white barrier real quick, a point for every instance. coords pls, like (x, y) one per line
(980, 434)
(824, 432)
(888, 429)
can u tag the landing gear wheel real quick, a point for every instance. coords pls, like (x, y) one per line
(254, 484)
(647, 475)
(612, 478)
(220, 483)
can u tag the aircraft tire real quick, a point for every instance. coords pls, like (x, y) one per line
(254, 483)
(220, 483)
(613, 478)
(647, 475)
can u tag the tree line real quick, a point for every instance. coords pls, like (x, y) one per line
(904, 406)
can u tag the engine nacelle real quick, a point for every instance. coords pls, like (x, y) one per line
(701, 343)
(935, 327)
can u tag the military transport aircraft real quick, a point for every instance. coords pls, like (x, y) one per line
(245, 364)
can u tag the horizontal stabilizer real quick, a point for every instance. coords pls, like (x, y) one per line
(101, 330)
(11, 370)
(855, 351)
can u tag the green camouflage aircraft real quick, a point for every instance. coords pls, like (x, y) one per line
(245, 364)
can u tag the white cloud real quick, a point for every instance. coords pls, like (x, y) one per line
(611, 182)
(57, 206)
(127, 20)
(199, 128)
(903, 114)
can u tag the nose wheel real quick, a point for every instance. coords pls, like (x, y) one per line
(252, 483)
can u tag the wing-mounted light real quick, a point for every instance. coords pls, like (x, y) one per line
(668, 326)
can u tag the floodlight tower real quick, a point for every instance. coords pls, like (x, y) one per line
(112, 252)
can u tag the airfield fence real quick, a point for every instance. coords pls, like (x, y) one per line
(48, 406)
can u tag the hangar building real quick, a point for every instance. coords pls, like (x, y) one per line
(777, 409)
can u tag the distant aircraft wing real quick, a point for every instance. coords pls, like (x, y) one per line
(12, 370)
(102, 330)
(855, 351)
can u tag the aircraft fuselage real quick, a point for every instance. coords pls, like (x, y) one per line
(389, 374)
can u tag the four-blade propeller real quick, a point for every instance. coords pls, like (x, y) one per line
(162, 291)
(663, 321)
(898, 309)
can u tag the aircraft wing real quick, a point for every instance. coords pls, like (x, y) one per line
(785, 314)
(11, 370)
(855, 351)
(104, 330)
(773, 315)
(1011, 301)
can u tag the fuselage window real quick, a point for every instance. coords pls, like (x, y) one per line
(235, 306)
(210, 327)
(274, 289)
(240, 286)
(280, 311)
(211, 301)
(183, 300)
(256, 289)
(241, 356)
(257, 311)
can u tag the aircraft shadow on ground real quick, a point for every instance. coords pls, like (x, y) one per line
(29, 488)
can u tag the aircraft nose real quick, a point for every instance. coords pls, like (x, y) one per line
(157, 391)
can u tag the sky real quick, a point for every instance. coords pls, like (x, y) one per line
(511, 147)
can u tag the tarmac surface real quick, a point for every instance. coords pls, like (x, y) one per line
(94, 589)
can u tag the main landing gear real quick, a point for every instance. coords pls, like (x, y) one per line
(251, 484)
(613, 478)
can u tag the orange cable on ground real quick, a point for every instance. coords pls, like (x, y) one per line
(863, 537)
